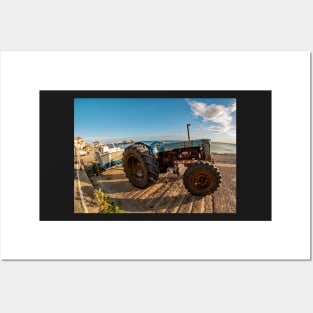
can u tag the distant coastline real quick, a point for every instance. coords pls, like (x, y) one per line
(216, 147)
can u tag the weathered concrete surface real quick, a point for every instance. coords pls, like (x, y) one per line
(87, 189)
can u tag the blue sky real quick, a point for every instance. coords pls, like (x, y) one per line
(115, 119)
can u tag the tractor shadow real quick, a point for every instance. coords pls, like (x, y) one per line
(156, 205)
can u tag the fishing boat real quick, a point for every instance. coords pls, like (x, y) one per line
(109, 154)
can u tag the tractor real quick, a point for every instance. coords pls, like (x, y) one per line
(143, 161)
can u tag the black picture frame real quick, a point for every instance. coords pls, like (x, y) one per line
(253, 159)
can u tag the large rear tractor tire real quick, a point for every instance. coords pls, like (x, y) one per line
(140, 166)
(202, 178)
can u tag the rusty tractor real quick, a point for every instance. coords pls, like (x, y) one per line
(143, 161)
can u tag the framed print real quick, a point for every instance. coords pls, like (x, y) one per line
(153, 164)
(155, 156)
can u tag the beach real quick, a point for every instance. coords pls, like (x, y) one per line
(169, 194)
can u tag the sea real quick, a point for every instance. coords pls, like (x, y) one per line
(223, 148)
(216, 147)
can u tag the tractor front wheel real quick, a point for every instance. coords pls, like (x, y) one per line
(140, 165)
(202, 178)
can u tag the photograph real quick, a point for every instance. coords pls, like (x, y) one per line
(154, 155)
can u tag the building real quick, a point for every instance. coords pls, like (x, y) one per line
(79, 143)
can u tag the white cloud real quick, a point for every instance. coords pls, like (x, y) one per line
(219, 129)
(216, 113)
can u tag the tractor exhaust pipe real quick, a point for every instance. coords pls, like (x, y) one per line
(188, 132)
